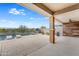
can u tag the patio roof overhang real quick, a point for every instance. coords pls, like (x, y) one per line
(35, 8)
(49, 9)
(62, 12)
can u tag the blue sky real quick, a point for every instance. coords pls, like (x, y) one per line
(13, 15)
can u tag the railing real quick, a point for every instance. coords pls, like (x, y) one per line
(3, 36)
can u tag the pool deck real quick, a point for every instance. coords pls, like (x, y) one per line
(38, 45)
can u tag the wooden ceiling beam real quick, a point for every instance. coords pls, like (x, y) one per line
(59, 20)
(43, 7)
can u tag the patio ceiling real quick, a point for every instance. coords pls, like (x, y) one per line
(36, 9)
(57, 6)
(62, 11)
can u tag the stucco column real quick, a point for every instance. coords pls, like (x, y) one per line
(52, 29)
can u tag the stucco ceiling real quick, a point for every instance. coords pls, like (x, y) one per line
(58, 6)
(65, 17)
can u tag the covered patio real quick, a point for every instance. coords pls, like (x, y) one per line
(31, 46)
(65, 13)
(47, 45)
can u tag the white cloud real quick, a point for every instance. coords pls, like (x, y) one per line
(32, 18)
(8, 23)
(3, 20)
(14, 11)
(21, 10)
(30, 25)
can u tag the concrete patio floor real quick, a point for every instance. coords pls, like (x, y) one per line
(38, 45)
(23, 46)
(65, 46)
